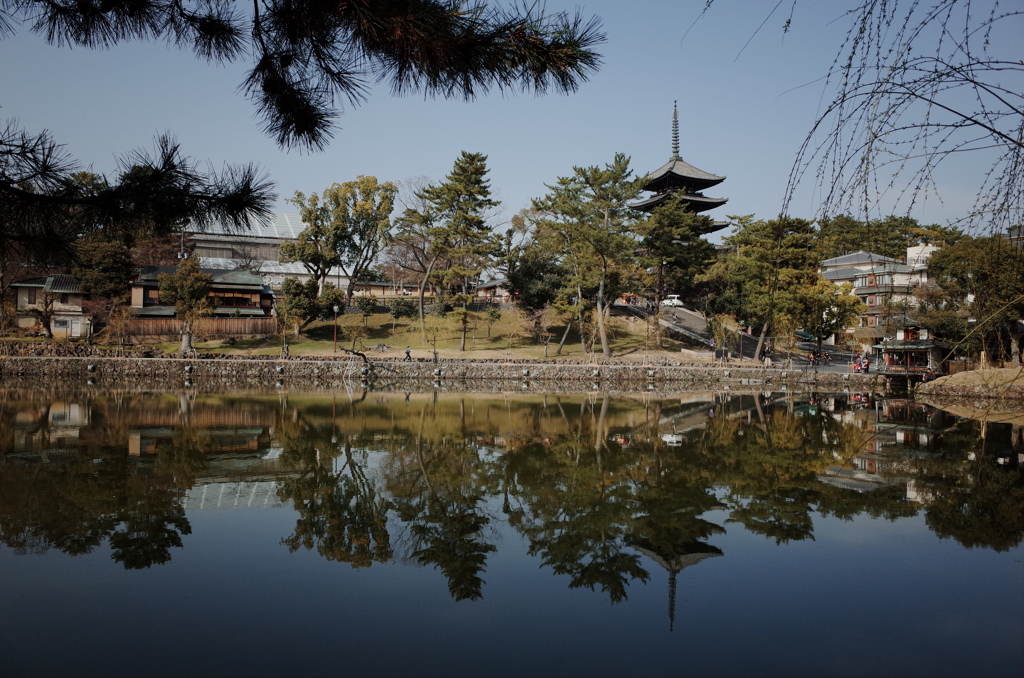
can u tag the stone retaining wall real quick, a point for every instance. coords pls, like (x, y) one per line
(259, 371)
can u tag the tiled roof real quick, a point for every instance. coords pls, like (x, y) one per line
(860, 257)
(59, 283)
(698, 203)
(681, 168)
(281, 226)
(221, 276)
(842, 273)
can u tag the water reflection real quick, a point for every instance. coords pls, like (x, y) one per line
(602, 489)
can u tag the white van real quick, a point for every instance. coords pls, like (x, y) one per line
(672, 300)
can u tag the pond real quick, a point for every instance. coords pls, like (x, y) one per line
(460, 534)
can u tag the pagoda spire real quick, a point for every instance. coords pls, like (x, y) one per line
(675, 131)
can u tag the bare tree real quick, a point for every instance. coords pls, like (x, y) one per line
(915, 86)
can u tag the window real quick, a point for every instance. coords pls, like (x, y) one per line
(60, 323)
(63, 298)
(31, 295)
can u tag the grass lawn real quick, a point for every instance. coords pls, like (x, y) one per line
(509, 338)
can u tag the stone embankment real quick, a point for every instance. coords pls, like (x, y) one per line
(217, 371)
(978, 385)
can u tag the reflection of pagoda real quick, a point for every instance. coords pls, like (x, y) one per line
(690, 553)
(676, 176)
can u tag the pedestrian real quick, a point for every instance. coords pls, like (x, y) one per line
(408, 353)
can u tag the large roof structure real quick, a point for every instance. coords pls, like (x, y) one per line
(677, 176)
(279, 226)
(858, 259)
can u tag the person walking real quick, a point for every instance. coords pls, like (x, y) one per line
(408, 353)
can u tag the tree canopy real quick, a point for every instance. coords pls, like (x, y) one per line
(306, 56)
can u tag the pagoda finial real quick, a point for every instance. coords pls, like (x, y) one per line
(675, 131)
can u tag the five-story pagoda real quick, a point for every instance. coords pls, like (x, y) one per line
(676, 176)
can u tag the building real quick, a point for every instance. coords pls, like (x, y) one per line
(883, 284)
(237, 294)
(257, 249)
(678, 176)
(56, 297)
(913, 354)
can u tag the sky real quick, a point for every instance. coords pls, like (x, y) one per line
(746, 97)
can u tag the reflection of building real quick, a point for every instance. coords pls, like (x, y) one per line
(233, 495)
(690, 554)
(903, 429)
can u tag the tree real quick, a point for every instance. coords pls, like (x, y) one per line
(188, 288)
(825, 309)
(984, 279)
(306, 55)
(303, 302)
(367, 304)
(536, 278)
(673, 248)
(451, 225)
(318, 246)
(915, 86)
(767, 264)
(45, 206)
(889, 237)
(400, 308)
(104, 271)
(348, 226)
(104, 268)
(586, 218)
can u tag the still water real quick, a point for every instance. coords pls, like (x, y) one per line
(426, 534)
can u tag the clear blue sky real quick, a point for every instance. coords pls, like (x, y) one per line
(744, 110)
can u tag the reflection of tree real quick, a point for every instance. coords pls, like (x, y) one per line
(99, 495)
(773, 462)
(772, 471)
(580, 507)
(451, 537)
(975, 501)
(341, 514)
(441, 497)
(151, 521)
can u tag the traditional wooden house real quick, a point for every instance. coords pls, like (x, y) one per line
(242, 305)
(53, 300)
(236, 294)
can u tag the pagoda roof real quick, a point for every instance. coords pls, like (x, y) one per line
(697, 202)
(677, 173)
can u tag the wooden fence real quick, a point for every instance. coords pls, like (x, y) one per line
(204, 327)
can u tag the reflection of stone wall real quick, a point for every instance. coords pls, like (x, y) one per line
(258, 371)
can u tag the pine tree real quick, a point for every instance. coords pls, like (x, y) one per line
(188, 288)
(454, 223)
(587, 219)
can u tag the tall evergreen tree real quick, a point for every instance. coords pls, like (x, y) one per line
(768, 263)
(306, 55)
(586, 218)
(453, 221)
